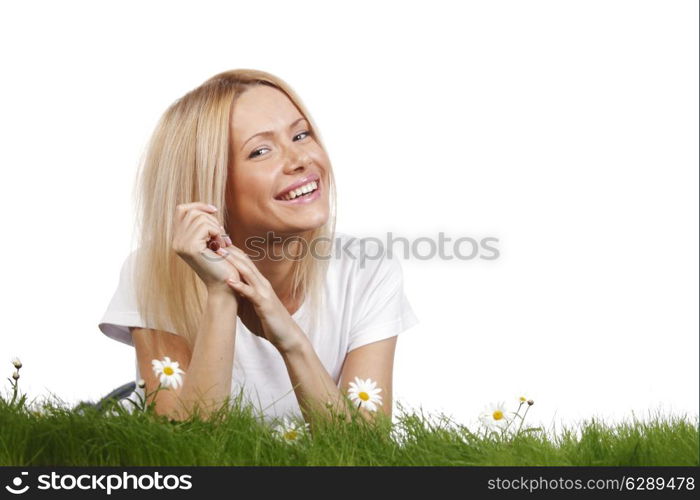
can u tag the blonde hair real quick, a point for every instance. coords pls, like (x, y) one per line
(187, 160)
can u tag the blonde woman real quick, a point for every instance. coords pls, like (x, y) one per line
(287, 312)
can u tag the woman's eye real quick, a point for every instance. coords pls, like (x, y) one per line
(254, 155)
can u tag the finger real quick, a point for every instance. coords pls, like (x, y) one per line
(244, 289)
(244, 271)
(195, 215)
(184, 208)
(214, 256)
(245, 258)
(205, 229)
(226, 239)
(234, 276)
(248, 271)
(217, 242)
(208, 254)
(218, 234)
(221, 238)
(209, 233)
(225, 254)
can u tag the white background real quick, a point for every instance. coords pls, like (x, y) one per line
(567, 130)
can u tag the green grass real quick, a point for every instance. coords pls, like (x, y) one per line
(57, 435)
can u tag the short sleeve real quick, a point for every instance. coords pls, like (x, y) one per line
(381, 307)
(122, 311)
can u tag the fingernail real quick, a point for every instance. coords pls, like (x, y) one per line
(213, 207)
(228, 241)
(222, 252)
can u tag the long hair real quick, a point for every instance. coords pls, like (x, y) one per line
(187, 160)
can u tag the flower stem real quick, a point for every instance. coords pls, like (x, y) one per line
(14, 392)
(516, 415)
(523, 420)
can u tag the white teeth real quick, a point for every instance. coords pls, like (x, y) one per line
(307, 188)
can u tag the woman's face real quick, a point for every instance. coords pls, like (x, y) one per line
(265, 166)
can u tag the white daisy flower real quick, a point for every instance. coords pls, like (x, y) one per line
(289, 431)
(365, 394)
(169, 372)
(495, 417)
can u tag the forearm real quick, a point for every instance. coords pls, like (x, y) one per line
(317, 393)
(207, 382)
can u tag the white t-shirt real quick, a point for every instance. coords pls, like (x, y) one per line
(364, 303)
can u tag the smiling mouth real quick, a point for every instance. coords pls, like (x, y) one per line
(292, 195)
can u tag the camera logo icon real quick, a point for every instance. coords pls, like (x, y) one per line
(17, 483)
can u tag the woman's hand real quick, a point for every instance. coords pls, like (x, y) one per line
(194, 225)
(278, 326)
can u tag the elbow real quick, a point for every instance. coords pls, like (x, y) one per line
(177, 409)
(167, 403)
(170, 413)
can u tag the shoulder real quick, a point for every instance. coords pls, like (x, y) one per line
(122, 310)
(128, 264)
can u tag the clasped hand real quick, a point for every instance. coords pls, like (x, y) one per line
(278, 326)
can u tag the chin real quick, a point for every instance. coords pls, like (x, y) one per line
(309, 223)
(302, 228)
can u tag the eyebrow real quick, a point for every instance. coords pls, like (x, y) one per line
(270, 132)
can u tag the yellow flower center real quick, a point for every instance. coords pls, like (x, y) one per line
(363, 396)
(497, 415)
(522, 398)
(290, 435)
(168, 371)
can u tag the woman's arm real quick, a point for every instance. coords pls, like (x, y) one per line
(315, 388)
(207, 382)
(316, 391)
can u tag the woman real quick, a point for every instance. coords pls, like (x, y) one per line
(274, 313)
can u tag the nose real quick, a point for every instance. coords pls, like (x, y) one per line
(296, 160)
